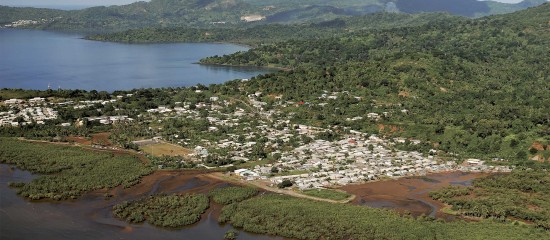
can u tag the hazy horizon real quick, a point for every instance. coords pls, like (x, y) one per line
(74, 4)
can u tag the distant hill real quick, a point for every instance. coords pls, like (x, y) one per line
(208, 13)
(270, 33)
(469, 8)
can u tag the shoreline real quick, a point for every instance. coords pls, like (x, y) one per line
(245, 66)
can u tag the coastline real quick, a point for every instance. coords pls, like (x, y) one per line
(245, 66)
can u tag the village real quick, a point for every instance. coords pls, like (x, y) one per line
(309, 162)
(38, 110)
(242, 131)
(26, 22)
(35, 110)
(356, 159)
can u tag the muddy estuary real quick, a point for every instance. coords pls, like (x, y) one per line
(90, 216)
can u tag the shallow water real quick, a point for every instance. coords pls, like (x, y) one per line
(87, 218)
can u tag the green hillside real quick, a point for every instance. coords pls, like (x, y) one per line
(472, 87)
(270, 33)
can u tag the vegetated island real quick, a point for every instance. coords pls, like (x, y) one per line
(164, 210)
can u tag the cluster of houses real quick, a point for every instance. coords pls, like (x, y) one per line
(22, 23)
(107, 120)
(319, 163)
(38, 110)
(87, 103)
(356, 159)
(24, 112)
(28, 22)
(314, 163)
(242, 126)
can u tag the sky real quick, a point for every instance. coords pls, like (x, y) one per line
(42, 3)
(39, 3)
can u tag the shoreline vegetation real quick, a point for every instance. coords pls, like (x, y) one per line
(290, 217)
(246, 66)
(163, 210)
(67, 172)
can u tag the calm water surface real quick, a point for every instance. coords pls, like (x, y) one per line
(87, 218)
(32, 59)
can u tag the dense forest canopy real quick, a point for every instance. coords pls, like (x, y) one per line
(271, 33)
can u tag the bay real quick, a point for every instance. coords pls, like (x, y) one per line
(33, 59)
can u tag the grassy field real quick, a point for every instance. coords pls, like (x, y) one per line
(166, 149)
(327, 194)
(251, 164)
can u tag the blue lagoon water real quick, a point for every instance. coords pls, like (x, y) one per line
(32, 59)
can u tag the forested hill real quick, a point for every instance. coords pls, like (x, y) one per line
(271, 33)
(474, 87)
(207, 13)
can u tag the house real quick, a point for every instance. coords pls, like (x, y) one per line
(252, 18)
(13, 101)
(37, 100)
(474, 162)
(249, 174)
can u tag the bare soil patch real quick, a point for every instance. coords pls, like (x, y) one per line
(409, 195)
(79, 140)
(102, 139)
(168, 149)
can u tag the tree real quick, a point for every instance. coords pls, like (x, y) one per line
(231, 169)
(514, 143)
(521, 155)
(285, 184)
(230, 235)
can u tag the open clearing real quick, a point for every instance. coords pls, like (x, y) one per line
(409, 194)
(167, 149)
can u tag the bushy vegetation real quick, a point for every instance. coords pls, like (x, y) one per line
(48, 132)
(163, 210)
(69, 171)
(522, 194)
(327, 194)
(228, 195)
(304, 219)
